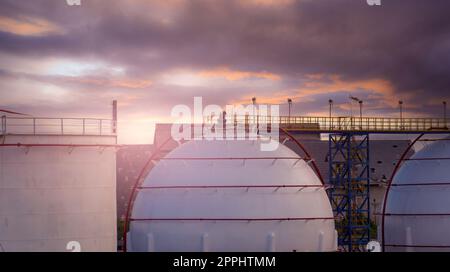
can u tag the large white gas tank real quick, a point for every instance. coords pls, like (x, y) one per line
(417, 216)
(231, 196)
(58, 193)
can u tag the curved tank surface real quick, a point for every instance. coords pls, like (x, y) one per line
(230, 196)
(417, 216)
(54, 197)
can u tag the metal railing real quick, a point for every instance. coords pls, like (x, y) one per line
(375, 124)
(95, 126)
(57, 126)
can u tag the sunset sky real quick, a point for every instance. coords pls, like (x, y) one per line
(72, 61)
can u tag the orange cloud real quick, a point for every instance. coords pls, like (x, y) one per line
(119, 83)
(337, 84)
(28, 26)
(320, 84)
(268, 2)
(233, 75)
(279, 97)
(378, 87)
(132, 84)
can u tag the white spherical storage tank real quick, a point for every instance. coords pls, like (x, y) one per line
(57, 193)
(231, 196)
(417, 212)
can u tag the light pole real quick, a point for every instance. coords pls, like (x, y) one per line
(445, 113)
(330, 102)
(351, 106)
(360, 112)
(114, 115)
(400, 105)
(254, 105)
(360, 108)
(289, 104)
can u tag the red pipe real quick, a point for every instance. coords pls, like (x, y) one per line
(423, 246)
(421, 184)
(234, 219)
(234, 158)
(397, 166)
(133, 190)
(316, 169)
(59, 145)
(233, 186)
(417, 214)
(426, 159)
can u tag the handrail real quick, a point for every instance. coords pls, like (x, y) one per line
(346, 123)
(97, 126)
(57, 126)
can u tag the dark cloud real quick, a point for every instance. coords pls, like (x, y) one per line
(406, 42)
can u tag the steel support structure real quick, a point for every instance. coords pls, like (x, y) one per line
(349, 177)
